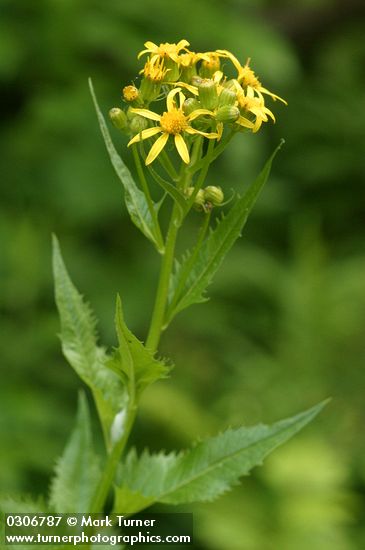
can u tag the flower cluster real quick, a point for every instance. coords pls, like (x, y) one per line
(197, 99)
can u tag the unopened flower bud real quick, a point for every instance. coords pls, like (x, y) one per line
(191, 104)
(118, 118)
(173, 70)
(130, 93)
(208, 94)
(149, 89)
(137, 124)
(213, 195)
(227, 97)
(199, 200)
(227, 114)
(230, 85)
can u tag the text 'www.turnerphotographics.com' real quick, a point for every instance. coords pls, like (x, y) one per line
(113, 529)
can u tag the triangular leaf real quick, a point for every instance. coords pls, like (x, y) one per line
(135, 200)
(79, 345)
(133, 359)
(77, 471)
(207, 470)
(214, 249)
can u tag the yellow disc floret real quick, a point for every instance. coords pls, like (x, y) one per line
(174, 122)
(247, 77)
(155, 70)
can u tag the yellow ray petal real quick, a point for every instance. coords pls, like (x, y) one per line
(250, 92)
(199, 112)
(230, 56)
(182, 148)
(217, 77)
(170, 99)
(182, 44)
(209, 135)
(174, 57)
(145, 134)
(271, 115)
(150, 45)
(274, 96)
(242, 121)
(146, 114)
(192, 89)
(142, 53)
(150, 48)
(157, 148)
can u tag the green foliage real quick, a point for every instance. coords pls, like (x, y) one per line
(132, 360)
(77, 471)
(79, 345)
(135, 200)
(20, 505)
(207, 470)
(214, 249)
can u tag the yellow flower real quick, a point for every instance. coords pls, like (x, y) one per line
(154, 71)
(189, 59)
(251, 104)
(172, 122)
(163, 51)
(247, 78)
(130, 93)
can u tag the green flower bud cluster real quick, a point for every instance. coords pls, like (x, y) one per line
(206, 198)
(128, 122)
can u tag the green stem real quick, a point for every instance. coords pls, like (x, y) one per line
(217, 151)
(203, 174)
(158, 314)
(189, 264)
(102, 491)
(146, 191)
(166, 161)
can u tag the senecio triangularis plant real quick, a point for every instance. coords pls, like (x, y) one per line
(179, 116)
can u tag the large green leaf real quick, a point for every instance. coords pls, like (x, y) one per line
(77, 471)
(213, 250)
(135, 200)
(204, 472)
(132, 360)
(79, 345)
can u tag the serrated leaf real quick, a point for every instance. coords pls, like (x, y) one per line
(133, 359)
(214, 249)
(135, 199)
(20, 505)
(79, 345)
(207, 470)
(77, 472)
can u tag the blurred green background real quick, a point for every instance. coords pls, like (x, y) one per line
(285, 325)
